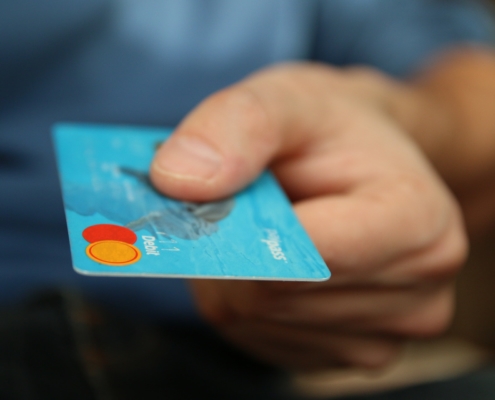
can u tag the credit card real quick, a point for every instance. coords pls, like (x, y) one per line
(119, 225)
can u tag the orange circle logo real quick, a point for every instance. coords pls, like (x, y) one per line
(112, 252)
(111, 245)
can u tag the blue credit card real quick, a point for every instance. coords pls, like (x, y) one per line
(119, 225)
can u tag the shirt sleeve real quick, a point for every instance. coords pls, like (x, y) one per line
(398, 36)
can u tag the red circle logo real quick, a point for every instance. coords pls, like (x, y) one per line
(97, 233)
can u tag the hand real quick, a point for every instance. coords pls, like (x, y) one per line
(386, 225)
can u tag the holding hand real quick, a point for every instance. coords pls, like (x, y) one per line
(388, 228)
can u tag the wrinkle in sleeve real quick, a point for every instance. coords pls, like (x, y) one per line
(397, 37)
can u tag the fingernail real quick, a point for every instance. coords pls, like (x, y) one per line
(187, 158)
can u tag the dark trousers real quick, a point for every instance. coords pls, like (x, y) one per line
(59, 347)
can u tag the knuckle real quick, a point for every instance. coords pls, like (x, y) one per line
(428, 213)
(456, 246)
(448, 255)
(243, 103)
(454, 256)
(432, 320)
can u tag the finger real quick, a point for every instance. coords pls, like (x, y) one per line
(421, 312)
(233, 135)
(364, 231)
(437, 262)
(402, 311)
(432, 265)
(350, 308)
(428, 319)
(303, 349)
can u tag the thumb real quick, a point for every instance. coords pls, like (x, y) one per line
(227, 141)
(219, 148)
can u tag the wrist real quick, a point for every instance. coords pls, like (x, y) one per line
(431, 121)
(421, 113)
(448, 110)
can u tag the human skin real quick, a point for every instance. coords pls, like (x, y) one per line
(358, 154)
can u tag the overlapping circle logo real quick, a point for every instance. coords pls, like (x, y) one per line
(111, 245)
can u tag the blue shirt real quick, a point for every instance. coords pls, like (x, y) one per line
(150, 62)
